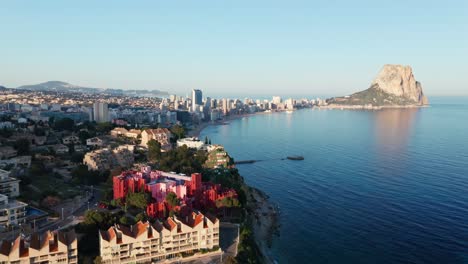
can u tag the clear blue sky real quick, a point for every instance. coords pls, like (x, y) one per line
(234, 47)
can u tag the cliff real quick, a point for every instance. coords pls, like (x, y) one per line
(395, 85)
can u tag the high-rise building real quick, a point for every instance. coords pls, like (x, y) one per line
(277, 100)
(197, 99)
(225, 106)
(100, 112)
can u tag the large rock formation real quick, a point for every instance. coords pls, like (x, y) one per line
(399, 80)
(395, 85)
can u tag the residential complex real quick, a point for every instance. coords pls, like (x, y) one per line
(162, 135)
(47, 247)
(192, 142)
(192, 192)
(145, 242)
(9, 186)
(217, 157)
(106, 159)
(12, 212)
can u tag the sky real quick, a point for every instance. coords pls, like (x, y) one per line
(234, 47)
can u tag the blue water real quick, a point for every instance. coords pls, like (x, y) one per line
(385, 186)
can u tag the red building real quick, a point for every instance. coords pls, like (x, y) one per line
(199, 194)
(127, 182)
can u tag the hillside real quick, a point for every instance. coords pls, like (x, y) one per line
(395, 85)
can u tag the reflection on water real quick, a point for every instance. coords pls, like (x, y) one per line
(393, 128)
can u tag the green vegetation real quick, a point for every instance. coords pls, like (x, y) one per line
(154, 150)
(182, 160)
(227, 202)
(374, 96)
(248, 251)
(172, 199)
(178, 131)
(23, 146)
(138, 200)
(64, 124)
(81, 174)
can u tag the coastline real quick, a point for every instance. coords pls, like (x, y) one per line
(196, 131)
(261, 213)
(370, 107)
(264, 218)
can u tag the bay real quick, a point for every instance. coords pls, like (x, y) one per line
(386, 186)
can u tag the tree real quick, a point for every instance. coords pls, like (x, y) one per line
(125, 220)
(138, 200)
(206, 140)
(97, 260)
(64, 124)
(178, 131)
(140, 217)
(23, 145)
(172, 200)
(154, 150)
(84, 135)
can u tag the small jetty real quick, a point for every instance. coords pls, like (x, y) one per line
(253, 161)
(295, 157)
(245, 161)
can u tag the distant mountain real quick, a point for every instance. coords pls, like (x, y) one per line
(58, 86)
(395, 85)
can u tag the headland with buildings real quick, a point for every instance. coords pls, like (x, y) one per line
(129, 176)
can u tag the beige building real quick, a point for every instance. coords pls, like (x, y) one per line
(106, 159)
(162, 135)
(48, 247)
(12, 212)
(133, 133)
(145, 242)
(118, 131)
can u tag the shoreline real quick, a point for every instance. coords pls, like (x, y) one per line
(264, 218)
(370, 107)
(261, 212)
(195, 132)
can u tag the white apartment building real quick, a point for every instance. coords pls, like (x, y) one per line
(11, 212)
(9, 186)
(192, 142)
(48, 247)
(145, 242)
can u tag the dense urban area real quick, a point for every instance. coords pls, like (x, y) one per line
(117, 178)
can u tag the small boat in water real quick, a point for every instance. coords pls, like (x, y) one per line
(295, 157)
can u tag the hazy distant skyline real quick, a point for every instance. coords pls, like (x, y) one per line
(236, 47)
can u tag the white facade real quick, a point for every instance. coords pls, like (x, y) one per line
(11, 212)
(190, 143)
(145, 243)
(48, 247)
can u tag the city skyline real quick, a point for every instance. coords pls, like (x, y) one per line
(251, 48)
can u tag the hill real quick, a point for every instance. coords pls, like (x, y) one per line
(395, 85)
(59, 86)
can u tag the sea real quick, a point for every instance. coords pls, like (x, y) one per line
(388, 186)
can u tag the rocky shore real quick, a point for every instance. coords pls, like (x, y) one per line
(264, 217)
(368, 107)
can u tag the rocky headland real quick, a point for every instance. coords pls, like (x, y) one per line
(394, 86)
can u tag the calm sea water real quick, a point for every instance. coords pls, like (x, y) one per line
(375, 187)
